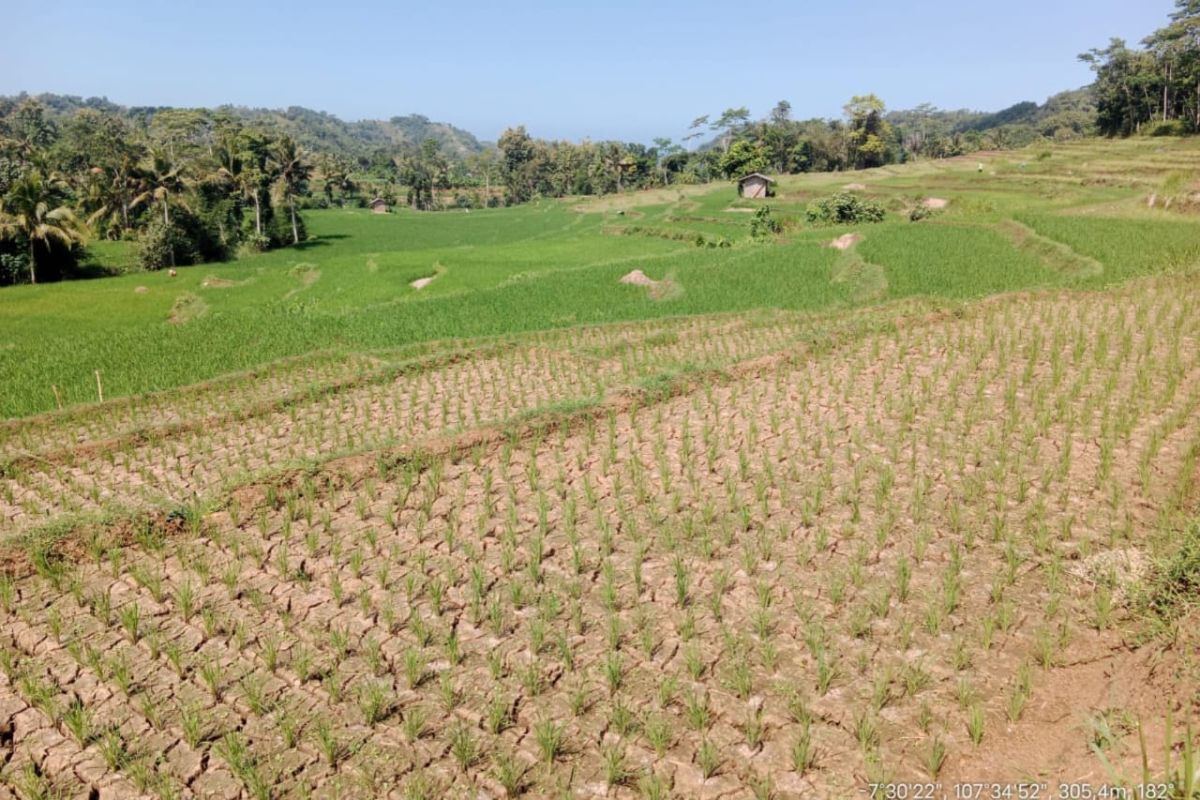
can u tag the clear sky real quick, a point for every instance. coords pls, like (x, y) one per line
(619, 69)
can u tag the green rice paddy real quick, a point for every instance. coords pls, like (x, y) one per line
(1027, 220)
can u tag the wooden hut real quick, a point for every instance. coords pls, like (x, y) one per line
(378, 206)
(754, 185)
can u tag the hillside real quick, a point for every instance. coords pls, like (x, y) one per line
(315, 130)
(319, 130)
(1064, 115)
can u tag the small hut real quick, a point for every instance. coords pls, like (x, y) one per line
(378, 206)
(755, 185)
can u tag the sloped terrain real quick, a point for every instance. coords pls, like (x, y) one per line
(899, 546)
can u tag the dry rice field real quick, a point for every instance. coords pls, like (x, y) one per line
(736, 557)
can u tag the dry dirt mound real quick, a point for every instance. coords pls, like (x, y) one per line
(935, 202)
(855, 187)
(657, 290)
(846, 241)
(638, 278)
(421, 283)
(140, 290)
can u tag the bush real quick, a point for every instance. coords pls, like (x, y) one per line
(919, 212)
(764, 224)
(1170, 127)
(255, 242)
(14, 268)
(164, 245)
(279, 227)
(1174, 587)
(845, 208)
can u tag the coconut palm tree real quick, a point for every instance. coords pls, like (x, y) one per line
(104, 193)
(335, 175)
(29, 212)
(293, 172)
(246, 163)
(164, 178)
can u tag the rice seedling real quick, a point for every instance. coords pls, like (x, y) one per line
(616, 771)
(935, 758)
(652, 786)
(708, 758)
(465, 747)
(329, 743)
(696, 709)
(976, 721)
(550, 738)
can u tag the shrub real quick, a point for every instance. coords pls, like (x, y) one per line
(764, 224)
(256, 243)
(164, 245)
(919, 212)
(845, 208)
(1175, 586)
(279, 227)
(1170, 127)
(14, 268)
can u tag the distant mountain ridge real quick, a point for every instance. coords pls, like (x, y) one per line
(314, 130)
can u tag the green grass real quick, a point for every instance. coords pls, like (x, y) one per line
(949, 260)
(555, 264)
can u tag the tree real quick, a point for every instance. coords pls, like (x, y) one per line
(335, 176)
(695, 131)
(618, 162)
(664, 149)
(483, 163)
(29, 212)
(517, 152)
(868, 132)
(781, 113)
(727, 124)
(292, 175)
(743, 158)
(163, 178)
(1125, 95)
(258, 172)
(1176, 48)
(30, 130)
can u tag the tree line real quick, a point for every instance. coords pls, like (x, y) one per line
(733, 144)
(1154, 89)
(189, 187)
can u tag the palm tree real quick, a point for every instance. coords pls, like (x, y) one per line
(293, 172)
(335, 176)
(163, 177)
(28, 211)
(107, 193)
(242, 161)
(98, 198)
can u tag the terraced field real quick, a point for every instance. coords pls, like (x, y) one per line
(1059, 217)
(891, 523)
(875, 559)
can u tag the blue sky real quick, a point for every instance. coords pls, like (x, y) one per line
(620, 69)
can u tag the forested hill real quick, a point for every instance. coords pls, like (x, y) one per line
(1064, 115)
(315, 130)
